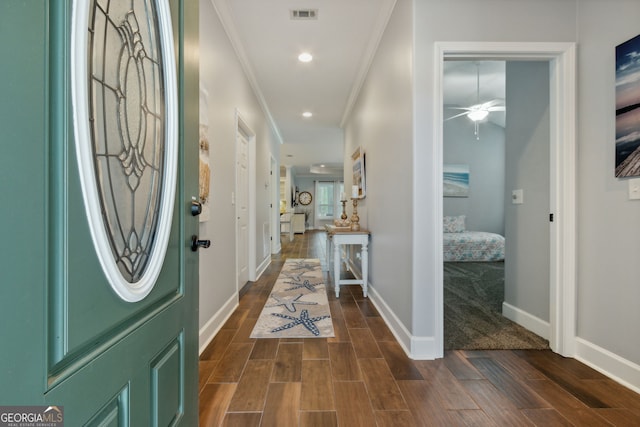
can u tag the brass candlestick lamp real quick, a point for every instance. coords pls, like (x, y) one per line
(355, 219)
(344, 212)
(343, 222)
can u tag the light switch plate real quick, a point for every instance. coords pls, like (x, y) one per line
(517, 197)
(634, 189)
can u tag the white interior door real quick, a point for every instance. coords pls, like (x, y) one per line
(242, 208)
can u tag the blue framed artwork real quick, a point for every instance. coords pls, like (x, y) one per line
(455, 181)
(628, 108)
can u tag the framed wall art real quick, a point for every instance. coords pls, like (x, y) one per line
(455, 181)
(628, 108)
(358, 174)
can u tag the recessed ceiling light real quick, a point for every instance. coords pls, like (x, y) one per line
(307, 114)
(305, 57)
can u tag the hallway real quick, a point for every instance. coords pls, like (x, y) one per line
(362, 377)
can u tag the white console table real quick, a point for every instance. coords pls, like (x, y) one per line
(336, 238)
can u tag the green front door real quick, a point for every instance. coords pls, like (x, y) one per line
(70, 337)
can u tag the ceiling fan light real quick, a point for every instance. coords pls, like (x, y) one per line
(305, 57)
(478, 115)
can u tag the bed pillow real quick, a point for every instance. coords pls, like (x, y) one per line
(454, 224)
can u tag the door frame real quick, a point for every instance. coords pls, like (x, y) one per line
(274, 227)
(242, 128)
(562, 105)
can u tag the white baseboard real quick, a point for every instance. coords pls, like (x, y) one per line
(277, 248)
(526, 320)
(613, 366)
(213, 325)
(263, 266)
(610, 364)
(417, 348)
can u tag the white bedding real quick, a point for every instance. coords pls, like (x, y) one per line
(473, 246)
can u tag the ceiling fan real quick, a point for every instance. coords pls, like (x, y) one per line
(479, 111)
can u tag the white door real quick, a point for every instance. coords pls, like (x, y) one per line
(242, 208)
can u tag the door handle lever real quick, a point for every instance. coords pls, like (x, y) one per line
(195, 243)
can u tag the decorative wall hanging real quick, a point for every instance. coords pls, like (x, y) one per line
(358, 174)
(204, 179)
(628, 108)
(205, 173)
(455, 181)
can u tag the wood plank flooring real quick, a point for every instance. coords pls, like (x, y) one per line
(362, 377)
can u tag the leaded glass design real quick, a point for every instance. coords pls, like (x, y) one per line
(127, 126)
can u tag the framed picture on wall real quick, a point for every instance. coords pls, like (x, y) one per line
(628, 108)
(455, 181)
(358, 174)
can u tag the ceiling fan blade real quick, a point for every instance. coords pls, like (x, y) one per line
(459, 108)
(497, 108)
(456, 116)
(492, 103)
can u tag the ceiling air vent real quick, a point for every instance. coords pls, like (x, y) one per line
(304, 14)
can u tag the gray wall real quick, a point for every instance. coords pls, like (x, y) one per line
(607, 285)
(608, 225)
(382, 124)
(223, 78)
(484, 208)
(527, 168)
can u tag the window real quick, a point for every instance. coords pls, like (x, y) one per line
(328, 199)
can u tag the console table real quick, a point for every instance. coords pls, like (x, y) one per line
(336, 238)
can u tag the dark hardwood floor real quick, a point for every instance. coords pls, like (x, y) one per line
(362, 377)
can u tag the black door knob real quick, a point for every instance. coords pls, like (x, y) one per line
(195, 243)
(196, 208)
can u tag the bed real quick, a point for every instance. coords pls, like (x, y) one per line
(462, 245)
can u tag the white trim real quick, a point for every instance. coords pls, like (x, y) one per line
(417, 348)
(262, 267)
(226, 18)
(208, 332)
(394, 324)
(526, 320)
(367, 56)
(562, 58)
(274, 231)
(130, 292)
(609, 364)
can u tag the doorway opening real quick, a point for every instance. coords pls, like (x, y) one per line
(562, 153)
(492, 242)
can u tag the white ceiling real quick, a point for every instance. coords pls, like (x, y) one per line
(342, 40)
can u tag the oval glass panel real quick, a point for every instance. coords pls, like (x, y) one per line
(125, 111)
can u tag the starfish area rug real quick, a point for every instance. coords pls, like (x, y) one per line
(297, 306)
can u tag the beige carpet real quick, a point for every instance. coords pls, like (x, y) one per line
(298, 305)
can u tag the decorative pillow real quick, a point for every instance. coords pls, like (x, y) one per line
(454, 224)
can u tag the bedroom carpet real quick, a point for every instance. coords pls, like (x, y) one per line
(473, 295)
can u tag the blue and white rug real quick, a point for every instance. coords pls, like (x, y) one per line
(298, 305)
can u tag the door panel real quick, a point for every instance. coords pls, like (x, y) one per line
(77, 344)
(242, 191)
